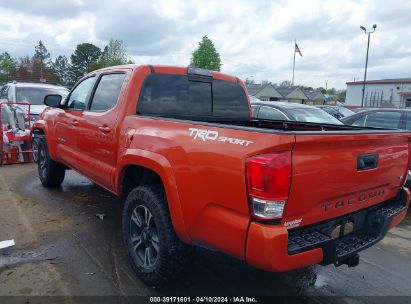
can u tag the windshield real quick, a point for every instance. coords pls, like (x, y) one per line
(313, 115)
(345, 111)
(35, 95)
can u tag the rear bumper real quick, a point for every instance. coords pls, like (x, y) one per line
(274, 248)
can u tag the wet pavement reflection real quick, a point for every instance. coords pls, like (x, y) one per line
(89, 256)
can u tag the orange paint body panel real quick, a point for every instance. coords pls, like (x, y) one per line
(267, 249)
(205, 179)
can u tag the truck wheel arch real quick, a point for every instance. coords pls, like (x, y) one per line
(40, 129)
(151, 168)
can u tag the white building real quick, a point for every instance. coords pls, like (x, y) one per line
(380, 93)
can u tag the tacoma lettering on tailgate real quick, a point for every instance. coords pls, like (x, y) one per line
(360, 198)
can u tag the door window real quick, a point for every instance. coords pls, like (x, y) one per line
(271, 113)
(408, 122)
(385, 120)
(360, 121)
(78, 97)
(107, 92)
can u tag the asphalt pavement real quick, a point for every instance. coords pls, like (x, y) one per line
(63, 250)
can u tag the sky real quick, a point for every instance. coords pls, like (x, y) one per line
(255, 39)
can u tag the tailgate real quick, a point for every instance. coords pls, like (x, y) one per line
(334, 174)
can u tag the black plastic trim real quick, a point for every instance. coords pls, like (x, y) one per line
(370, 226)
(245, 126)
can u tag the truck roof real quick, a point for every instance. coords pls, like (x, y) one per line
(37, 84)
(169, 69)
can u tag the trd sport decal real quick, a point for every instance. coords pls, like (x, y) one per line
(205, 135)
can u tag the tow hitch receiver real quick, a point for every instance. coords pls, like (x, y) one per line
(352, 261)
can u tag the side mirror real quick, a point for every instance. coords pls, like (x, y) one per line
(53, 101)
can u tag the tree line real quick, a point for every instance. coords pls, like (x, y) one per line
(41, 67)
(86, 57)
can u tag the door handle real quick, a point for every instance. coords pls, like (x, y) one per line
(366, 162)
(75, 123)
(104, 129)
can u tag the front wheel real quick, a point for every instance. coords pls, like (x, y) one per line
(51, 173)
(153, 248)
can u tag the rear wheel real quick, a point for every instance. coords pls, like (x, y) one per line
(51, 173)
(153, 248)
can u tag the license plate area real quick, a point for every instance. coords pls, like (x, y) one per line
(344, 236)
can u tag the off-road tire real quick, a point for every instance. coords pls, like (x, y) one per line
(51, 173)
(173, 255)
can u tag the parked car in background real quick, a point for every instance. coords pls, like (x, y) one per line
(34, 94)
(291, 111)
(31, 92)
(387, 118)
(336, 111)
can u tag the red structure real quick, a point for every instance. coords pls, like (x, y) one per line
(15, 125)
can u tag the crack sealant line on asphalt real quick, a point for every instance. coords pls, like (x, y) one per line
(26, 223)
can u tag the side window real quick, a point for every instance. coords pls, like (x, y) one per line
(10, 94)
(3, 94)
(271, 113)
(78, 97)
(387, 120)
(360, 121)
(107, 92)
(408, 122)
(254, 110)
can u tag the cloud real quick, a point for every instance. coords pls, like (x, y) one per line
(255, 38)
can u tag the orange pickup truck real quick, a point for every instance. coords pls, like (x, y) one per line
(179, 146)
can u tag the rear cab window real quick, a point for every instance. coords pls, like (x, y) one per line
(182, 96)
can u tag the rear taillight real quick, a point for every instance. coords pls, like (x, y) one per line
(268, 179)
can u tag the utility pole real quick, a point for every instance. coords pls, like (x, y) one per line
(295, 43)
(366, 60)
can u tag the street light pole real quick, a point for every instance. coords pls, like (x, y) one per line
(366, 60)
